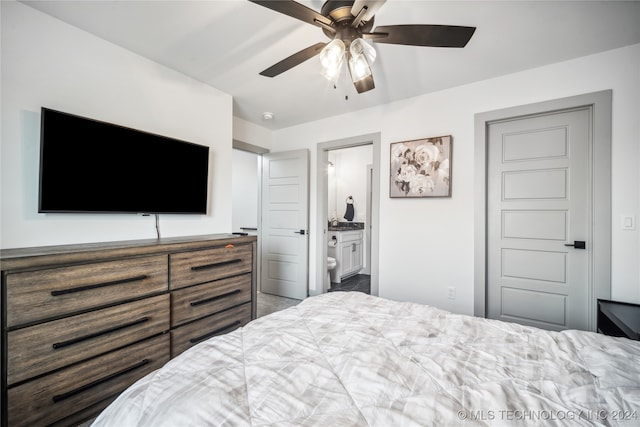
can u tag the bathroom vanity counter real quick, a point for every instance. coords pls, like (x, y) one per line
(346, 226)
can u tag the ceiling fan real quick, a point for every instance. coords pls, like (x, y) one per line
(348, 23)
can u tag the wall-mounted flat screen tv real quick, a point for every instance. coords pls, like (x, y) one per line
(92, 166)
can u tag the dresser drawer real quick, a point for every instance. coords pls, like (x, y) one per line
(193, 333)
(197, 301)
(51, 345)
(54, 292)
(56, 396)
(190, 268)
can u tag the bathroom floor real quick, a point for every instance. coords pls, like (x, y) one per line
(359, 283)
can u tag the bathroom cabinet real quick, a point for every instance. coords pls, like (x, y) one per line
(347, 252)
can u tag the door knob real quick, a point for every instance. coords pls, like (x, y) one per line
(578, 244)
(300, 232)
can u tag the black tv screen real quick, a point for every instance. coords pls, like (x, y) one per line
(92, 166)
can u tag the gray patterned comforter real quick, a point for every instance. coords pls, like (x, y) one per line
(349, 359)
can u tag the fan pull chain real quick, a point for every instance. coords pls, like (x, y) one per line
(347, 77)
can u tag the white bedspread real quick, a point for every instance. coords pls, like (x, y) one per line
(349, 359)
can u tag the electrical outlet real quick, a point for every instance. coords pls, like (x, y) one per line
(452, 292)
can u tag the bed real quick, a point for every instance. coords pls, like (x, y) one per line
(350, 359)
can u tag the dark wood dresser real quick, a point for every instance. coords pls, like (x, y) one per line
(80, 323)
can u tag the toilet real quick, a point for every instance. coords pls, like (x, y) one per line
(331, 264)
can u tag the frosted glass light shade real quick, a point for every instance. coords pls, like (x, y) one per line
(359, 67)
(361, 47)
(331, 58)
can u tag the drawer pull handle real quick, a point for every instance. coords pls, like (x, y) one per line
(60, 397)
(215, 264)
(212, 299)
(98, 285)
(59, 345)
(212, 333)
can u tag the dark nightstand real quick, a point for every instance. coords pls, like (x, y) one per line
(619, 319)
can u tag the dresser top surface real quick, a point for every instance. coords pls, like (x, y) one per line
(16, 257)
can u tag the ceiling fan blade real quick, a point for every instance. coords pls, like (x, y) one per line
(371, 5)
(293, 60)
(296, 10)
(423, 35)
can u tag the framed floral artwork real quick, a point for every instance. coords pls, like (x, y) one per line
(421, 168)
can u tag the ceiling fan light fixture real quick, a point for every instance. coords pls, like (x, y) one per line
(350, 22)
(359, 67)
(361, 47)
(331, 58)
(364, 85)
(333, 73)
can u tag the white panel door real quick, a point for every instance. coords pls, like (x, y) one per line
(538, 203)
(285, 224)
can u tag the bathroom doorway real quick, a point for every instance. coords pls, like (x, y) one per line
(246, 173)
(348, 207)
(348, 172)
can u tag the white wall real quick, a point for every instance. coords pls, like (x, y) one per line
(251, 133)
(426, 245)
(46, 62)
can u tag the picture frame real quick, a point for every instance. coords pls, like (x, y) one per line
(421, 168)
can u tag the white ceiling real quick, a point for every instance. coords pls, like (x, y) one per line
(226, 43)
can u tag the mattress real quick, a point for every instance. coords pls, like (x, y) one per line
(350, 359)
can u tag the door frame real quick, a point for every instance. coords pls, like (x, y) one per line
(599, 104)
(258, 151)
(367, 232)
(322, 161)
